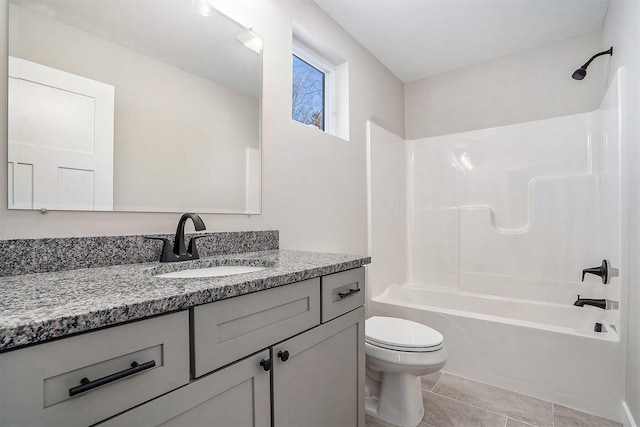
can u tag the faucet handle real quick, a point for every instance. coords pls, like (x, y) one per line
(167, 250)
(192, 249)
(602, 271)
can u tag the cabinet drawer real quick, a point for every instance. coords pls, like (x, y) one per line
(42, 377)
(228, 330)
(342, 292)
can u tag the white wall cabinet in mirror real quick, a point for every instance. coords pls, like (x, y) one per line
(185, 108)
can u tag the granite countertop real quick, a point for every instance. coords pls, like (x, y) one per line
(42, 306)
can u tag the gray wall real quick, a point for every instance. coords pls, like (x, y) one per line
(531, 85)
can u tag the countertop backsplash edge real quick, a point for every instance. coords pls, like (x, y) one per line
(46, 255)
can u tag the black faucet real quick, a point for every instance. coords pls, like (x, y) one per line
(600, 303)
(179, 252)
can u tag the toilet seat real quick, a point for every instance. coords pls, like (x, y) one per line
(402, 335)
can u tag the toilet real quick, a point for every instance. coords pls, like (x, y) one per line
(398, 352)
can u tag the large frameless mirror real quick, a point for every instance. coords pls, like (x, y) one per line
(132, 105)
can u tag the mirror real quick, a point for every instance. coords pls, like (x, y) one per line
(127, 105)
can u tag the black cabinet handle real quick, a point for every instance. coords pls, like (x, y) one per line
(348, 294)
(283, 355)
(86, 384)
(266, 364)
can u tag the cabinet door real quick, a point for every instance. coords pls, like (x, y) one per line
(236, 396)
(321, 382)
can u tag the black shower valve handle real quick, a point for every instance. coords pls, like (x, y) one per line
(602, 271)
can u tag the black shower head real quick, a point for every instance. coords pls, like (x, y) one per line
(581, 72)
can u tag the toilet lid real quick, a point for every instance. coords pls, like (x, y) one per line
(399, 334)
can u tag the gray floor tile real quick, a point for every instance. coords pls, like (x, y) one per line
(441, 411)
(457, 401)
(515, 423)
(567, 417)
(428, 381)
(514, 405)
(373, 422)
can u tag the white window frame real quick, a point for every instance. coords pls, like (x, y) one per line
(336, 76)
(314, 59)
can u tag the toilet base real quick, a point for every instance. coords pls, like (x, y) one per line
(395, 399)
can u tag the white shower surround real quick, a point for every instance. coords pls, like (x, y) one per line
(483, 235)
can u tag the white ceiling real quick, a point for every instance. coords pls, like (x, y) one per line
(420, 38)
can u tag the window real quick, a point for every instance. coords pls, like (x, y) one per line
(319, 89)
(308, 94)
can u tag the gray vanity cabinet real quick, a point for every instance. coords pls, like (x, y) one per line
(308, 372)
(317, 384)
(290, 356)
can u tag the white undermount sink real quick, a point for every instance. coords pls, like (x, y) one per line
(216, 271)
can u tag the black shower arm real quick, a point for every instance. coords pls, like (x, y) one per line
(606, 52)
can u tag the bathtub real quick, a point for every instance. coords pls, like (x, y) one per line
(541, 349)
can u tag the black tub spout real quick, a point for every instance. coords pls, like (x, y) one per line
(600, 303)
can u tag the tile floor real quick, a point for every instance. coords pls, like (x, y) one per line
(454, 401)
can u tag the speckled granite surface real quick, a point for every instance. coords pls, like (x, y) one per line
(38, 307)
(46, 255)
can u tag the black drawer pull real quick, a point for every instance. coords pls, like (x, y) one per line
(86, 384)
(348, 294)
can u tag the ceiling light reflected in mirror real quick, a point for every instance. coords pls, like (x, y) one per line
(249, 38)
(203, 8)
